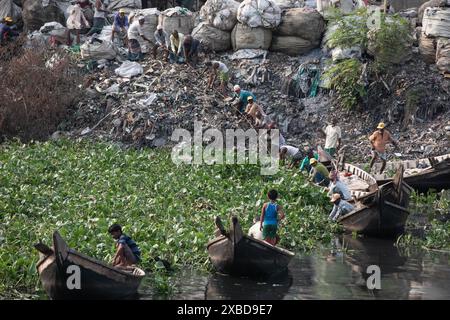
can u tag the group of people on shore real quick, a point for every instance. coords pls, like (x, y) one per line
(338, 192)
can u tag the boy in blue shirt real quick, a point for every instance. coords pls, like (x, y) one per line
(128, 253)
(269, 218)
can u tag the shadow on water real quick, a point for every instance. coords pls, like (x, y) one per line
(338, 271)
(223, 287)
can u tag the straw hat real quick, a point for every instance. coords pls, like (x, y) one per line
(335, 197)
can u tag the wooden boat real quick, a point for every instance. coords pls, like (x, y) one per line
(237, 254)
(58, 267)
(361, 174)
(382, 212)
(434, 175)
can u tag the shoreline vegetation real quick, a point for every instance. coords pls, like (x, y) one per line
(81, 187)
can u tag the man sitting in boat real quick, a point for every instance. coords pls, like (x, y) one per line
(340, 208)
(255, 230)
(319, 173)
(269, 218)
(128, 253)
(379, 139)
(337, 186)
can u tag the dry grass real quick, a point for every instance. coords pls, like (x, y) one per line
(38, 86)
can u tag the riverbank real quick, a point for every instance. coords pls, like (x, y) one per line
(81, 187)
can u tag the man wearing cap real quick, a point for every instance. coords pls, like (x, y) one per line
(337, 186)
(161, 41)
(253, 109)
(120, 26)
(319, 173)
(7, 30)
(340, 207)
(135, 33)
(242, 97)
(332, 137)
(378, 140)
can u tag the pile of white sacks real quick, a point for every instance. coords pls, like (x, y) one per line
(434, 41)
(278, 25)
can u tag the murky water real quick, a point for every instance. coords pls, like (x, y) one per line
(337, 272)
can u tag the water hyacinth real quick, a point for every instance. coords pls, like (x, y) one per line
(80, 188)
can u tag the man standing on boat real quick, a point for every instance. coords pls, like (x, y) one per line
(340, 208)
(128, 253)
(379, 139)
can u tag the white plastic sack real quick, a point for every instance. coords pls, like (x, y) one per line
(288, 4)
(338, 54)
(244, 37)
(293, 46)
(129, 69)
(259, 13)
(248, 54)
(9, 9)
(115, 5)
(177, 18)
(54, 29)
(443, 56)
(76, 20)
(211, 37)
(96, 51)
(221, 14)
(436, 22)
(305, 23)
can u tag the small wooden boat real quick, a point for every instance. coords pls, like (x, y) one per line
(59, 266)
(382, 212)
(369, 180)
(422, 174)
(237, 254)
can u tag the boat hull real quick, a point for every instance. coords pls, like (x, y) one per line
(80, 277)
(237, 254)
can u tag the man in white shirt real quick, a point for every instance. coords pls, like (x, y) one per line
(333, 137)
(291, 152)
(135, 34)
(255, 229)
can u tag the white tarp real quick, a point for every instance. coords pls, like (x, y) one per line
(259, 13)
(248, 54)
(129, 69)
(98, 50)
(221, 14)
(436, 22)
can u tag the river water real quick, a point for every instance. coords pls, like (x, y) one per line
(336, 272)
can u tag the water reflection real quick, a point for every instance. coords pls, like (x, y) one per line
(223, 287)
(336, 272)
